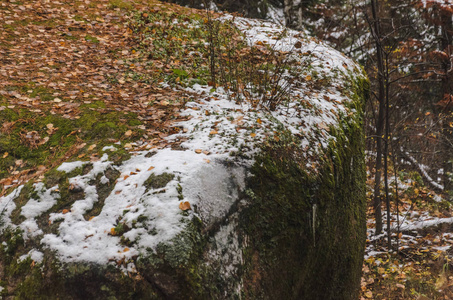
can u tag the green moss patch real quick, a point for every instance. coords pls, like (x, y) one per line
(158, 181)
(43, 138)
(103, 191)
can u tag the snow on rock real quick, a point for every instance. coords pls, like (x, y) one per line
(206, 172)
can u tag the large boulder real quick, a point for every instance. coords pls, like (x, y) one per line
(245, 202)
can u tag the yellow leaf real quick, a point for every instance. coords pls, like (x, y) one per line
(253, 134)
(381, 270)
(5, 155)
(258, 121)
(91, 147)
(112, 231)
(369, 294)
(128, 133)
(308, 78)
(441, 281)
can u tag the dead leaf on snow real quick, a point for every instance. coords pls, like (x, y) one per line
(185, 205)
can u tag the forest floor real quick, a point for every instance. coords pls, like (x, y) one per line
(76, 63)
(70, 64)
(419, 266)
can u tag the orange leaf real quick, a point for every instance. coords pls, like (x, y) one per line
(150, 168)
(197, 151)
(65, 211)
(184, 205)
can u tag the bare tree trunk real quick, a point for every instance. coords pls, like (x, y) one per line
(375, 28)
(447, 135)
(386, 154)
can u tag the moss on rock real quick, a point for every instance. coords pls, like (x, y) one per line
(307, 227)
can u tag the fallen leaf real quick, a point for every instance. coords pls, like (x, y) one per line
(198, 151)
(128, 133)
(150, 168)
(184, 205)
(65, 211)
(298, 45)
(5, 155)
